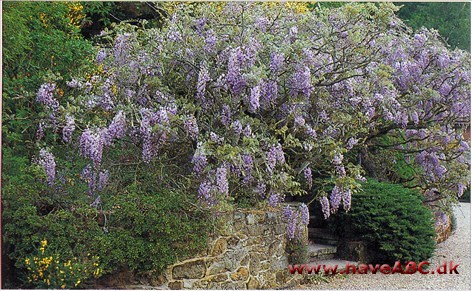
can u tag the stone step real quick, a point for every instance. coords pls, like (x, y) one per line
(333, 262)
(321, 233)
(321, 251)
(328, 242)
(322, 236)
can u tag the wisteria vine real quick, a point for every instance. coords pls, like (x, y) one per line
(269, 106)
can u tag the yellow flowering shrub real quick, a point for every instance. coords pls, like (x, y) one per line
(45, 269)
(298, 7)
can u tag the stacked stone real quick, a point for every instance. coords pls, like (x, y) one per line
(247, 252)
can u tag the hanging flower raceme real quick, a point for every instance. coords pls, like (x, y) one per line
(47, 162)
(297, 220)
(240, 111)
(68, 129)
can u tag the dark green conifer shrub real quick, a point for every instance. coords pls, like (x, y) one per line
(392, 220)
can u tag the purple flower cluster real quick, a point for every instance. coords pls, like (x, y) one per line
(116, 129)
(47, 162)
(247, 131)
(101, 55)
(191, 127)
(325, 207)
(200, 25)
(299, 121)
(222, 180)
(40, 131)
(346, 198)
(304, 214)
(91, 146)
(460, 189)
(301, 82)
(269, 94)
(226, 115)
(152, 139)
(291, 219)
(254, 99)
(199, 162)
(237, 127)
(45, 96)
(339, 194)
(89, 176)
(216, 138)
(442, 220)
(210, 41)
(335, 198)
(262, 23)
(121, 48)
(103, 180)
(274, 199)
(203, 78)
(308, 177)
(276, 62)
(234, 78)
(247, 167)
(430, 163)
(338, 159)
(74, 83)
(261, 189)
(68, 129)
(351, 143)
(206, 192)
(105, 100)
(275, 156)
(296, 220)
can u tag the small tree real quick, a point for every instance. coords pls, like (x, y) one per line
(250, 106)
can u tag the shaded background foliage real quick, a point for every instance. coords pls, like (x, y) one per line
(452, 20)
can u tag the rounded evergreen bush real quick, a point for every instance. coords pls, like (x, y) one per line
(392, 220)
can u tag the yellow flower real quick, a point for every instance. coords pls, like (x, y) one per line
(63, 286)
(77, 284)
(27, 261)
(44, 243)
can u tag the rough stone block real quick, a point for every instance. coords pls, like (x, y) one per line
(254, 264)
(240, 275)
(217, 278)
(232, 241)
(251, 219)
(219, 247)
(255, 230)
(189, 270)
(253, 283)
(176, 285)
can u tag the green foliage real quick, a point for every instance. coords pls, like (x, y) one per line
(32, 214)
(39, 39)
(297, 252)
(140, 225)
(452, 20)
(149, 230)
(392, 220)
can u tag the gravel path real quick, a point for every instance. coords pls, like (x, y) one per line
(456, 248)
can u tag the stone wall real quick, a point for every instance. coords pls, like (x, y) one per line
(443, 231)
(247, 251)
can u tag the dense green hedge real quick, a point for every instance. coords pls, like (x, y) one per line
(136, 227)
(392, 220)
